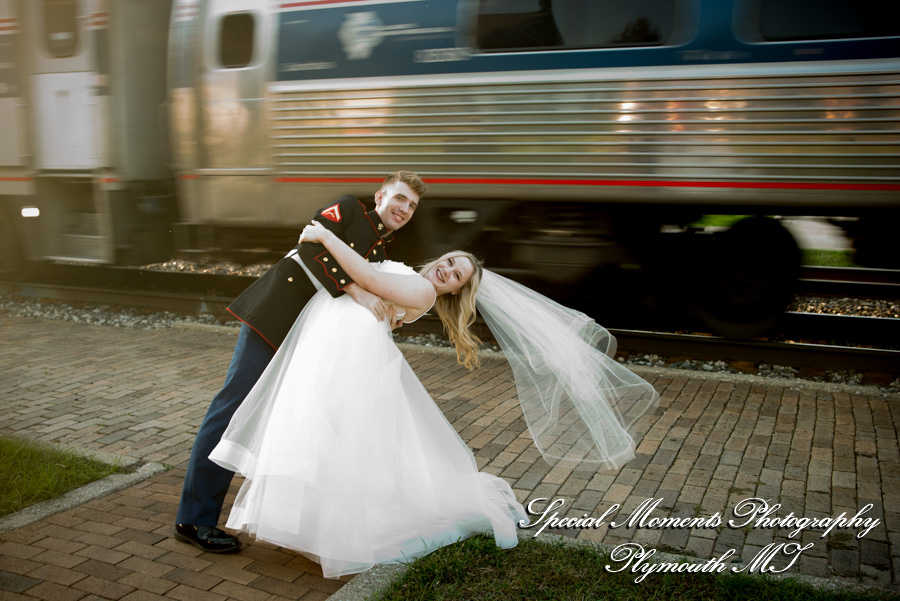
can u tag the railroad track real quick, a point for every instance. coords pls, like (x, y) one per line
(849, 282)
(812, 281)
(806, 341)
(705, 347)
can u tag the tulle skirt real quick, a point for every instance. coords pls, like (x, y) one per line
(346, 457)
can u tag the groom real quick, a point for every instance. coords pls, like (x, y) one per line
(267, 310)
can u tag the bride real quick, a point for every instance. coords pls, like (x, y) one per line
(348, 460)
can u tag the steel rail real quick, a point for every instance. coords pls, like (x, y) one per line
(161, 301)
(713, 348)
(831, 281)
(851, 274)
(849, 282)
(801, 355)
(210, 293)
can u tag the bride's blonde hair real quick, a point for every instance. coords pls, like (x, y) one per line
(457, 311)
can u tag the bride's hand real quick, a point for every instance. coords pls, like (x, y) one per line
(314, 232)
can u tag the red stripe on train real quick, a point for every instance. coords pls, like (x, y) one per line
(609, 182)
(328, 180)
(316, 3)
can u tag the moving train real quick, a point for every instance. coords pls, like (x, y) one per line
(564, 140)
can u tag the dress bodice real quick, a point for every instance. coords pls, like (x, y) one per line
(401, 269)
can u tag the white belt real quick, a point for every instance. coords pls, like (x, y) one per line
(296, 256)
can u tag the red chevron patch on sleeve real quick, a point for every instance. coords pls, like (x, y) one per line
(332, 213)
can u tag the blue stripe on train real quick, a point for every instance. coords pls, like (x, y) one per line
(423, 38)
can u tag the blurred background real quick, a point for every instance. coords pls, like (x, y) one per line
(659, 156)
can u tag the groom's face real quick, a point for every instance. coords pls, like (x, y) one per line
(395, 204)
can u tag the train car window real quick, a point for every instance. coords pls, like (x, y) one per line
(516, 25)
(60, 27)
(236, 40)
(795, 20)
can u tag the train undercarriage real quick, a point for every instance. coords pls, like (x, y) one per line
(735, 281)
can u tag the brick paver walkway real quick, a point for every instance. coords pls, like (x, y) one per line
(713, 442)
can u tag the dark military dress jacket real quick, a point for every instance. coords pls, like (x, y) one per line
(271, 304)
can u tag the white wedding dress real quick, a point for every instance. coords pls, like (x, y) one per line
(346, 457)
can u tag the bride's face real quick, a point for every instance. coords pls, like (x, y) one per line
(450, 274)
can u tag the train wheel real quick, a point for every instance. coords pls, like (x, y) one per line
(752, 273)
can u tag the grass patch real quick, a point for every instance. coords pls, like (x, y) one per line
(31, 472)
(476, 570)
(828, 258)
(816, 257)
(719, 220)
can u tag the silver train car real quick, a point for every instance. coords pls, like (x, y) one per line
(560, 138)
(83, 173)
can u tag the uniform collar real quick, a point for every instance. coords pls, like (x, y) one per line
(383, 232)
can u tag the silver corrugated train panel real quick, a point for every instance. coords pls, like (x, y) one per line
(814, 128)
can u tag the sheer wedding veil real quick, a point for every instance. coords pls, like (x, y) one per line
(581, 406)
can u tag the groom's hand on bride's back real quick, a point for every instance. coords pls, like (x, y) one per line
(395, 319)
(368, 300)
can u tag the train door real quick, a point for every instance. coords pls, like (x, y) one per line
(15, 181)
(63, 81)
(236, 50)
(65, 128)
(94, 73)
(12, 149)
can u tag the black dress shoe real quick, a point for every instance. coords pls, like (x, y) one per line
(207, 538)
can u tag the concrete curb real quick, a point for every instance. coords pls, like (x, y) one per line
(368, 584)
(88, 492)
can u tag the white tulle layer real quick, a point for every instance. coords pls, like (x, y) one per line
(346, 457)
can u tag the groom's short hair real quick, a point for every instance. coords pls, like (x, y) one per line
(409, 178)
